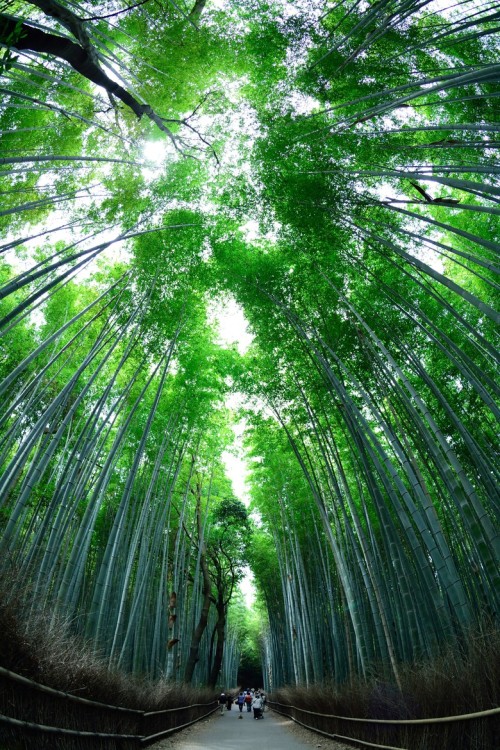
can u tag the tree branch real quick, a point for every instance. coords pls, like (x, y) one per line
(70, 21)
(197, 10)
(84, 62)
(84, 59)
(116, 13)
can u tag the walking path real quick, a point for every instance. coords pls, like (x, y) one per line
(229, 732)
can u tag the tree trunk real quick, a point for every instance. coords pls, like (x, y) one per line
(221, 634)
(79, 58)
(198, 9)
(202, 622)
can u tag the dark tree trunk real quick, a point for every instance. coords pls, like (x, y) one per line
(198, 9)
(202, 622)
(221, 635)
(69, 20)
(79, 58)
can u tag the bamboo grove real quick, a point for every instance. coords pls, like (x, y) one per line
(332, 167)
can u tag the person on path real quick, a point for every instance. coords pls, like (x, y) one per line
(229, 702)
(222, 702)
(248, 701)
(241, 701)
(257, 707)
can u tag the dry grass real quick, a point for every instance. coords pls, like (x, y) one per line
(38, 647)
(464, 678)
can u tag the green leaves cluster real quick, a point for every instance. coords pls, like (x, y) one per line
(333, 170)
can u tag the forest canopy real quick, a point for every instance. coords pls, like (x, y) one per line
(329, 170)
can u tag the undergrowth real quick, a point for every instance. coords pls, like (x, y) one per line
(42, 648)
(463, 678)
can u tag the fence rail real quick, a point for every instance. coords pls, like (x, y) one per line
(409, 734)
(40, 716)
(69, 696)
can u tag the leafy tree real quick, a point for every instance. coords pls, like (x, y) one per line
(332, 169)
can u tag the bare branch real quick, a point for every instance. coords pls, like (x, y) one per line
(116, 13)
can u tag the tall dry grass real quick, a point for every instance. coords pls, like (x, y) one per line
(463, 678)
(36, 645)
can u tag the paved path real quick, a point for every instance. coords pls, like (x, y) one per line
(229, 732)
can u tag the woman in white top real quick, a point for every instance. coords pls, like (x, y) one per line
(257, 706)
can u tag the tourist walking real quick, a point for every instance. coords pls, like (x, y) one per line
(229, 702)
(248, 701)
(257, 707)
(222, 702)
(241, 701)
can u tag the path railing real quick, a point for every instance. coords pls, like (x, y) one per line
(474, 730)
(34, 715)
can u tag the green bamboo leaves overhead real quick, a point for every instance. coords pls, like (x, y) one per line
(332, 168)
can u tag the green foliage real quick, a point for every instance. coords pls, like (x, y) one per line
(334, 173)
(9, 38)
